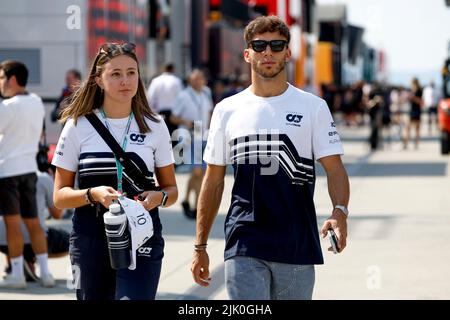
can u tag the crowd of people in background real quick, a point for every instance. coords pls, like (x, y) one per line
(390, 111)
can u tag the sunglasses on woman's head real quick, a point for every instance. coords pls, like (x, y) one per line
(261, 45)
(110, 48)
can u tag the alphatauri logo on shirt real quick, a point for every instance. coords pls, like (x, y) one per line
(137, 138)
(293, 119)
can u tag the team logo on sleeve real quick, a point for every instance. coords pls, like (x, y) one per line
(293, 119)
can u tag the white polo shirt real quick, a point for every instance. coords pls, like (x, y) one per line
(21, 121)
(163, 91)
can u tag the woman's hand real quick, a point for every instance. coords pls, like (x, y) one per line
(150, 199)
(104, 195)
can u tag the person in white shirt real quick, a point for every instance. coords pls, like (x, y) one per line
(192, 112)
(162, 92)
(430, 102)
(22, 117)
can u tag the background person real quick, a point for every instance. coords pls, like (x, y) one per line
(415, 112)
(73, 79)
(22, 115)
(192, 111)
(162, 92)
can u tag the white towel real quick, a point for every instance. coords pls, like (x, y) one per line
(140, 225)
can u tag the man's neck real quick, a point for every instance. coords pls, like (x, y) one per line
(196, 90)
(18, 91)
(268, 87)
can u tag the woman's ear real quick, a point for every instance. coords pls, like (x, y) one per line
(99, 82)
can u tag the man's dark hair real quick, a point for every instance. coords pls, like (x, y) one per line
(76, 73)
(17, 69)
(264, 24)
(169, 67)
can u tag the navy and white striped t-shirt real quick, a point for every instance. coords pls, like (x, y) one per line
(81, 149)
(272, 144)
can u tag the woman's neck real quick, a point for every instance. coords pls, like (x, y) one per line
(115, 110)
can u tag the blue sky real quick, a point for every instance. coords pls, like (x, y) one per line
(415, 34)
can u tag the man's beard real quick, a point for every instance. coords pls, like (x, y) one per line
(270, 74)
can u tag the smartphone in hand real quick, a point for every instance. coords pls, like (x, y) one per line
(333, 240)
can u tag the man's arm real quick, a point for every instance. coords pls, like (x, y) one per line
(207, 208)
(339, 191)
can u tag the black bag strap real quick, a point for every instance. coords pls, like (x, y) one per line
(129, 166)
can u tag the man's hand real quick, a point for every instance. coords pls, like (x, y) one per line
(200, 268)
(337, 222)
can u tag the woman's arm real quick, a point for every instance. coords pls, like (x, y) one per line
(166, 180)
(65, 196)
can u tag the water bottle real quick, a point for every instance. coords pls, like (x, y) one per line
(118, 236)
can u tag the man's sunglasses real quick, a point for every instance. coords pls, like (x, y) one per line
(110, 48)
(275, 45)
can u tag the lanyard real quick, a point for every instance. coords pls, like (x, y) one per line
(124, 145)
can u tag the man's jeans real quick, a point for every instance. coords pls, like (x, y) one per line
(249, 278)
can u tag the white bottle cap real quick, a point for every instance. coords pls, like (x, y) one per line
(114, 208)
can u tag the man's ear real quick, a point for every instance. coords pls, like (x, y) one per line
(13, 80)
(288, 55)
(247, 55)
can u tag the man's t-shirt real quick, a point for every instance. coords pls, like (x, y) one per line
(81, 149)
(272, 144)
(21, 121)
(194, 106)
(163, 91)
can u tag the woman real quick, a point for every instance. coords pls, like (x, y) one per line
(114, 92)
(416, 103)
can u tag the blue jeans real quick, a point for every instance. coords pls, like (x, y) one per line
(249, 278)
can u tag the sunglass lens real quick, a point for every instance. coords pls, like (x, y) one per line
(277, 45)
(259, 45)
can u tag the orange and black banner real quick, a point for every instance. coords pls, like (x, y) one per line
(117, 21)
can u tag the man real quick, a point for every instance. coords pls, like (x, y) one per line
(73, 79)
(430, 98)
(22, 115)
(162, 92)
(271, 133)
(192, 111)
